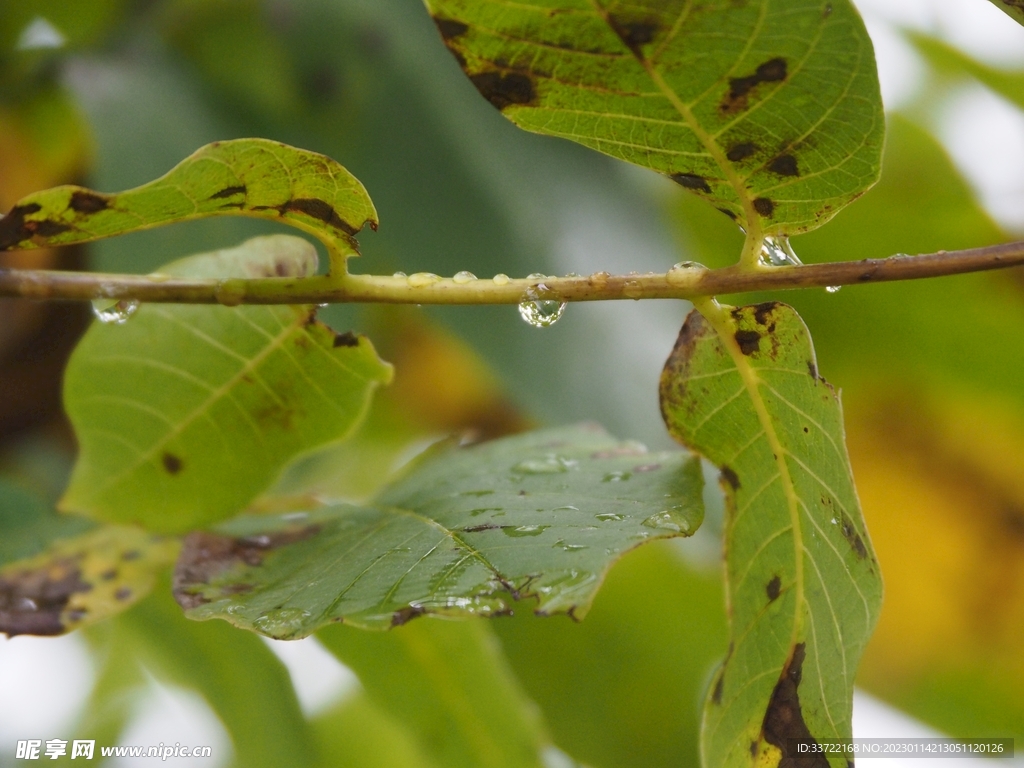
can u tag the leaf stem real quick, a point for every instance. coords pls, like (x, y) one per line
(678, 283)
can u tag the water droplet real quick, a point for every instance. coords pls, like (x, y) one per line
(549, 465)
(605, 516)
(833, 288)
(599, 279)
(282, 622)
(322, 305)
(683, 272)
(463, 277)
(538, 311)
(566, 508)
(158, 277)
(114, 312)
(399, 274)
(525, 530)
(481, 510)
(667, 520)
(501, 279)
(25, 604)
(633, 289)
(777, 252)
(422, 279)
(616, 477)
(834, 521)
(560, 544)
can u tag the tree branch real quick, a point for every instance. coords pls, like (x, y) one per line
(678, 283)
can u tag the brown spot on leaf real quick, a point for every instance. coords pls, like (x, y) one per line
(109, 575)
(229, 192)
(450, 28)
(482, 527)
(205, 555)
(346, 339)
(407, 614)
(691, 181)
(320, 210)
(784, 165)
(852, 537)
(504, 89)
(749, 341)
(173, 464)
(764, 311)
(85, 201)
(729, 476)
(741, 151)
(784, 720)
(740, 88)
(123, 593)
(728, 213)
(131, 554)
(764, 206)
(716, 694)
(31, 601)
(773, 588)
(812, 369)
(13, 227)
(47, 228)
(634, 33)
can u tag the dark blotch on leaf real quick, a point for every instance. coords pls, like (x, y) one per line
(784, 165)
(764, 206)
(728, 213)
(784, 720)
(763, 312)
(122, 594)
(229, 192)
(812, 369)
(318, 209)
(450, 28)
(730, 477)
(773, 588)
(772, 71)
(716, 694)
(13, 227)
(504, 89)
(691, 181)
(31, 601)
(852, 537)
(47, 228)
(84, 201)
(741, 151)
(346, 339)
(172, 463)
(109, 575)
(633, 33)
(407, 614)
(749, 341)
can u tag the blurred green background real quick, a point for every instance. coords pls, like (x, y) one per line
(113, 93)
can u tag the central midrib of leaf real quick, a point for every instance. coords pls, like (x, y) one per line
(686, 113)
(218, 393)
(722, 324)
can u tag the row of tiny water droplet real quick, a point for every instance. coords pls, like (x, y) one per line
(534, 309)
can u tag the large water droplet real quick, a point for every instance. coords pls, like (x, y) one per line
(549, 465)
(463, 277)
(833, 288)
(501, 279)
(633, 289)
(525, 530)
(538, 311)
(777, 252)
(114, 312)
(668, 520)
(399, 274)
(683, 272)
(422, 279)
(282, 622)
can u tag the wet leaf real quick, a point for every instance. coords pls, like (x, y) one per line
(243, 177)
(541, 515)
(30, 525)
(185, 413)
(448, 683)
(778, 123)
(80, 580)
(742, 388)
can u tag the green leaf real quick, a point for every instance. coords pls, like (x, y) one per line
(541, 515)
(1011, 8)
(80, 580)
(948, 59)
(29, 525)
(244, 177)
(450, 685)
(358, 734)
(238, 675)
(742, 388)
(185, 413)
(778, 123)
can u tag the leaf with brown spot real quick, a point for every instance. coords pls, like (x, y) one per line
(243, 177)
(803, 582)
(656, 83)
(429, 544)
(186, 413)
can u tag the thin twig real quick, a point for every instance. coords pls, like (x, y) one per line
(678, 283)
